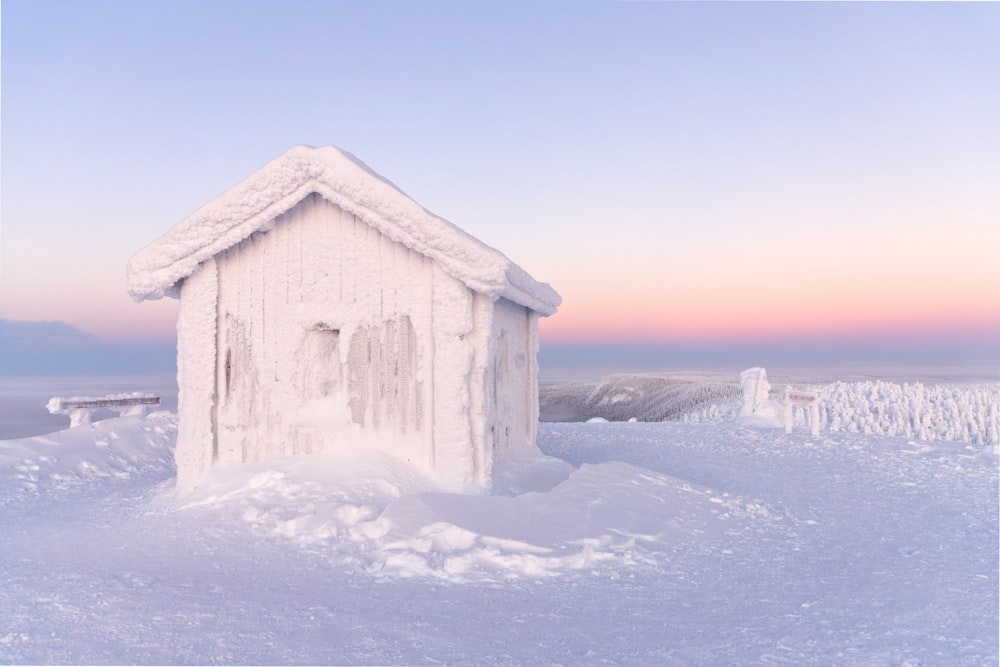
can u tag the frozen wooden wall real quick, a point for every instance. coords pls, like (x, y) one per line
(323, 323)
(323, 332)
(511, 380)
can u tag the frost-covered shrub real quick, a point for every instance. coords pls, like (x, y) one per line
(956, 412)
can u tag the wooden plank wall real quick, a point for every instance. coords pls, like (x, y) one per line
(316, 266)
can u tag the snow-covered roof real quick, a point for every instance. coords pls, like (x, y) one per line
(345, 181)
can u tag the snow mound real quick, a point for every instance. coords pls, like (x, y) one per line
(371, 513)
(112, 449)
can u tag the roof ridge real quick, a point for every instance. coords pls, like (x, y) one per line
(338, 176)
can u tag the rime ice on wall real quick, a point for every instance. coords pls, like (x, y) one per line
(320, 323)
(321, 308)
(511, 378)
(196, 335)
(455, 452)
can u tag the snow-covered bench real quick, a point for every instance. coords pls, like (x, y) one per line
(79, 408)
(804, 400)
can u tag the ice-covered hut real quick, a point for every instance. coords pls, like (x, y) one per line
(320, 307)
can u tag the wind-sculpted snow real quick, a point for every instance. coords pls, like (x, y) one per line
(81, 457)
(962, 412)
(373, 514)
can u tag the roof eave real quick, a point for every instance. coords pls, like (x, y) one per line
(255, 203)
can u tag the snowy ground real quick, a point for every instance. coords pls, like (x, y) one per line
(720, 542)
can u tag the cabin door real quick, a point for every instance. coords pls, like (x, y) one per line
(320, 420)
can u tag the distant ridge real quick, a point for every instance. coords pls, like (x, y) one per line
(57, 348)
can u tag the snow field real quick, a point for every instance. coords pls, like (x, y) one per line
(724, 542)
(881, 537)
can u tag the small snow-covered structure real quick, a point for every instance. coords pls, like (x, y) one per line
(80, 409)
(808, 402)
(757, 402)
(320, 308)
(756, 391)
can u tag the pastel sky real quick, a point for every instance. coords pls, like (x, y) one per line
(679, 172)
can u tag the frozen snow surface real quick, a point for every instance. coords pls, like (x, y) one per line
(676, 543)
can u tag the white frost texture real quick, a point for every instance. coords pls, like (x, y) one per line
(343, 180)
(964, 413)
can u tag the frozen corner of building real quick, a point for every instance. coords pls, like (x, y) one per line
(322, 308)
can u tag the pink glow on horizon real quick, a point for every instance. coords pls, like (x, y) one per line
(636, 318)
(727, 319)
(666, 304)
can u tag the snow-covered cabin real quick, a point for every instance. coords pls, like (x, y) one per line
(321, 308)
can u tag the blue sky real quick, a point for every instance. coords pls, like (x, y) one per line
(736, 173)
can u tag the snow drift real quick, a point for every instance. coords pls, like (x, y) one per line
(78, 458)
(374, 514)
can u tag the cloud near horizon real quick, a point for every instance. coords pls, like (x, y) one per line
(57, 348)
